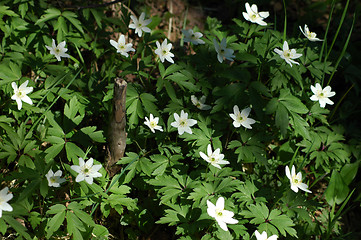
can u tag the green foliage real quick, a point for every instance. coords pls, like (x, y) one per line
(165, 181)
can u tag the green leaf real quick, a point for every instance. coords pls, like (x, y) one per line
(183, 80)
(171, 69)
(44, 188)
(100, 233)
(337, 190)
(349, 171)
(83, 216)
(49, 14)
(55, 222)
(19, 228)
(282, 222)
(4, 10)
(73, 151)
(71, 110)
(3, 226)
(72, 17)
(96, 136)
(258, 212)
(160, 164)
(282, 119)
(30, 188)
(74, 225)
(300, 125)
(148, 101)
(57, 208)
(53, 151)
(9, 72)
(292, 103)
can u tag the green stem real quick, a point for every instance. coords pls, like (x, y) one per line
(285, 23)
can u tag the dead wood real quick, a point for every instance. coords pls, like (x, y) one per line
(117, 133)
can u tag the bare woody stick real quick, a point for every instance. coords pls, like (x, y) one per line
(117, 133)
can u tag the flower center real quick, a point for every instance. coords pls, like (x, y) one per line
(52, 179)
(164, 52)
(219, 213)
(183, 123)
(240, 118)
(287, 54)
(20, 94)
(121, 46)
(212, 159)
(153, 124)
(296, 180)
(57, 50)
(86, 171)
(254, 16)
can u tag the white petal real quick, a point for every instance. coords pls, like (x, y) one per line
(236, 124)
(288, 174)
(220, 203)
(89, 180)
(245, 112)
(223, 225)
(254, 8)
(80, 177)
(245, 15)
(293, 171)
(294, 188)
(89, 163)
(278, 51)
(209, 150)
(204, 156)
(285, 46)
(19, 102)
(191, 122)
(114, 43)
(273, 237)
(6, 207)
(264, 14)
(27, 100)
(58, 173)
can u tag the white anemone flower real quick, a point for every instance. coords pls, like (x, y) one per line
(140, 25)
(223, 217)
(183, 123)
(200, 104)
(214, 158)
(254, 16)
(288, 54)
(20, 94)
(122, 47)
(152, 123)
(322, 95)
(163, 51)
(192, 37)
(4, 198)
(58, 51)
(263, 236)
(309, 35)
(54, 179)
(222, 51)
(87, 171)
(296, 180)
(241, 118)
